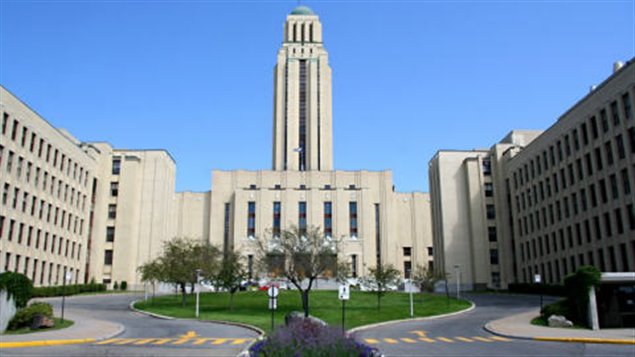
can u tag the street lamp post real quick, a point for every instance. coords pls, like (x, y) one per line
(457, 273)
(198, 288)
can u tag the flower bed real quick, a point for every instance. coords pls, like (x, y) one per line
(304, 337)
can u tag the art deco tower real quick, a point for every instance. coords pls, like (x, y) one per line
(302, 114)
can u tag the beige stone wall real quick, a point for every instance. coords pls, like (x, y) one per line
(192, 214)
(46, 181)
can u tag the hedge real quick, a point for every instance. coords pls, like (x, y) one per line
(545, 289)
(18, 286)
(49, 291)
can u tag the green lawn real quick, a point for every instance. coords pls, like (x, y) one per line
(251, 307)
(58, 325)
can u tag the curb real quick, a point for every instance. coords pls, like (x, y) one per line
(151, 314)
(45, 343)
(415, 319)
(487, 328)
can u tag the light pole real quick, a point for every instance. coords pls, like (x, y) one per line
(457, 273)
(198, 283)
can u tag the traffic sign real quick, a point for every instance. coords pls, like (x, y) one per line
(537, 279)
(273, 292)
(273, 304)
(344, 292)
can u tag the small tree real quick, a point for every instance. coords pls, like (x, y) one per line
(577, 286)
(230, 274)
(151, 272)
(115, 286)
(380, 277)
(18, 286)
(299, 254)
(425, 278)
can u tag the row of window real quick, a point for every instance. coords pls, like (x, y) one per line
(44, 150)
(302, 218)
(38, 269)
(555, 270)
(42, 210)
(35, 237)
(562, 150)
(534, 195)
(49, 183)
(302, 187)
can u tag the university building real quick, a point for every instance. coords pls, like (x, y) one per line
(542, 203)
(99, 212)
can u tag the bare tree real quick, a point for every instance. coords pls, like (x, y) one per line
(299, 255)
(425, 278)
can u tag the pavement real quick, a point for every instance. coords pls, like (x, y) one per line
(519, 326)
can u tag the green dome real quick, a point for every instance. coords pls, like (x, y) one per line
(302, 10)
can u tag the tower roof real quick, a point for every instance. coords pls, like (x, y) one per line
(302, 10)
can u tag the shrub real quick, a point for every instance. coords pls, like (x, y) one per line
(124, 285)
(49, 291)
(578, 286)
(303, 337)
(115, 286)
(24, 317)
(559, 307)
(18, 286)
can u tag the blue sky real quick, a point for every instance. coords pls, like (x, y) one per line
(409, 77)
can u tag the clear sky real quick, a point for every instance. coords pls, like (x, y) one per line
(409, 77)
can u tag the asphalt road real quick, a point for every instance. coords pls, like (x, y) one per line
(144, 335)
(463, 335)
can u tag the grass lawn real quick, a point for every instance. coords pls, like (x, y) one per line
(251, 307)
(58, 325)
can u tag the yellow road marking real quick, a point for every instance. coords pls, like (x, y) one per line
(189, 334)
(498, 338)
(105, 342)
(420, 333)
(238, 341)
(45, 343)
(426, 339)
(200, 341)
(443, 339)
(219, 341)
(144, 341)
(482, 339)
(371, 340)
(464, 339)
(408, 340)
(125, 341)
(392, 341)
(162, 341)
(181, 341)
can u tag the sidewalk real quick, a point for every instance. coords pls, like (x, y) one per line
(519, 326)
(85, 329)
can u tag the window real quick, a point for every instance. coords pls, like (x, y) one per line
(605, 121)
(621, 151)
(491, 212)
(108, 257)
(328, 219)
(487, 167)
(302, 218)
(407, 269)
(609, 153)
(110, 234)
(116, 165)
(276, 219)
(251, 219)
(626, 103)
(615, 112)
(112, 211)
(430, 251)
(302, 187)
(491, 234)
(114, 189)
(407, 251)
(354, 265)
(352, 218)
(626, 184)
(489, 189)
(493, 256)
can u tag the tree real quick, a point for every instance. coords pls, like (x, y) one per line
(151, 272)
(300, 255)
(17, 285)
(230, 274)
(425, 278)
(380, 277)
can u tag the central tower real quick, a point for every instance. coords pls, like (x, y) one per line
(302, 112)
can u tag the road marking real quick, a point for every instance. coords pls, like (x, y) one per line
(44, 343)
(125, 341)
(408, 340)
(443, 339)
(498, 338)
(372, 340)
(392, 341)
(108, 341)
(144, 341)
(482, 339)
(420, 333)
(162, 341)
(464, 339)
(239, 341)
(181, 341)
(189, 334)
(219, 341)
(200, 341)
(426, 339)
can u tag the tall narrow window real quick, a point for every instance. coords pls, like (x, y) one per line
(491, 212)
(377, 234)
(116, 165)
(302, 218)
(251, 219)
(112, 211)
(407, 269)
(626, 102)
(491, 234)
(110, 234)
(354, 265)
(226, 224)
(108, 257)
(302, 116)
(487, 167)
(489, 189)
(114, 189)
(328, 219)
(276, 219)
(250, 266)
(352, 219)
